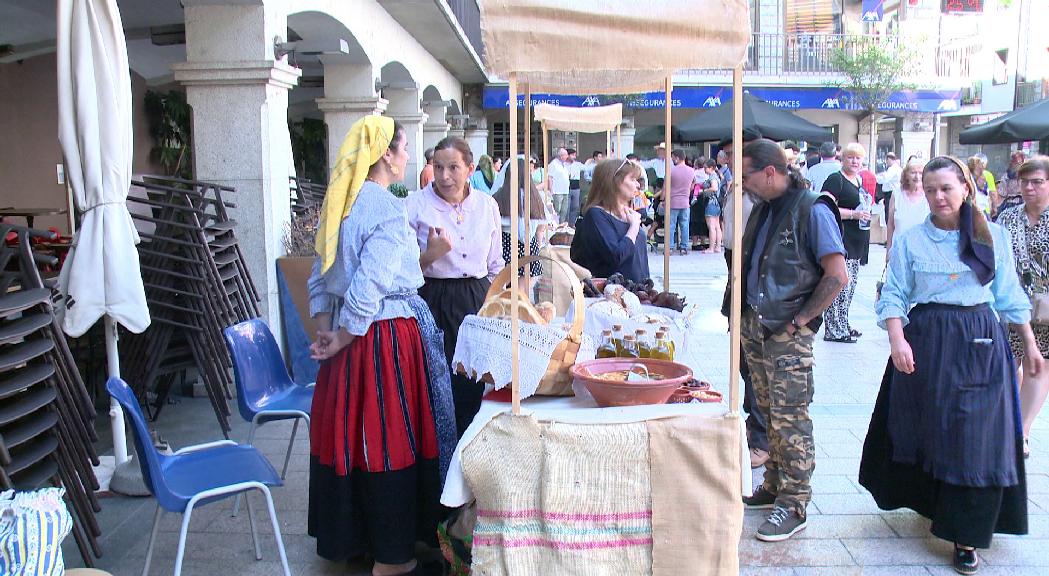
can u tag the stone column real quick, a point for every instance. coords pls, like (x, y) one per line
(405, 108)
(458, 127)
(477, 138)
(341, 113)
(349, 95)
(239, 100)
(436, 126)
(627, 132)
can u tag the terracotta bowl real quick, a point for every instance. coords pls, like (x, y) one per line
(610, 393)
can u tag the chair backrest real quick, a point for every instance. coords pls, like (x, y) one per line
(149, 459)
(258, 366)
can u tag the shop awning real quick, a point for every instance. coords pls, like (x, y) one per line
(1028, 123)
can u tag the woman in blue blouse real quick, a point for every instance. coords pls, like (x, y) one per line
(945, 439)
(383, 426)
(609, 239)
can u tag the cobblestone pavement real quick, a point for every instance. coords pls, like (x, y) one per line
(847, 533)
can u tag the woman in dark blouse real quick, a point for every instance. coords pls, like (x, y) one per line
(846, 187)
(610, 239)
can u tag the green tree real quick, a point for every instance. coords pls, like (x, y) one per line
(874, 69)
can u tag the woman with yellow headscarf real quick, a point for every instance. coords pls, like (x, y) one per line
(382, 423)
(945, 437)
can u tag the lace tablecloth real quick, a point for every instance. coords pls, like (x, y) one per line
(483, 347)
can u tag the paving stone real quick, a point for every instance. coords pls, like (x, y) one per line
(793, 552)
(863, 571)
(988, 570)
(908, 524)
(833, 484)
(899, 551)
(846, 504)
(1029, 551)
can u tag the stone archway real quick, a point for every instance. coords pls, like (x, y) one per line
(402, 92)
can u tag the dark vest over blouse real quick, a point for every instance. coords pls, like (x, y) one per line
(788, 273)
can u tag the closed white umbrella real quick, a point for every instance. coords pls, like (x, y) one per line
(101, 276)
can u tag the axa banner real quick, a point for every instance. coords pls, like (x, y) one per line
(713, 96)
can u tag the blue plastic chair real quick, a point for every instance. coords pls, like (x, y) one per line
(265, 391)
(197, 475)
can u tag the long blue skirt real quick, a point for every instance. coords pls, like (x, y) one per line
(945, 441)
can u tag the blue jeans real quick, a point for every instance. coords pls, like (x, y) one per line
(679, 228)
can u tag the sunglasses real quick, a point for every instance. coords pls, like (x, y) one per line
(614, 174)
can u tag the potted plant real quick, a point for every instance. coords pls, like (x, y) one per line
(293, 271)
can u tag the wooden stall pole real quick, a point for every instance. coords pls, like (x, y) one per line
(545, 158)
(608, 144)
(619, 141)
(737, 238)
(666, 186)
(515, 311)
(527, 188)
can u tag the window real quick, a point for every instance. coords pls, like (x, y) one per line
(813, 16)
(501, 140)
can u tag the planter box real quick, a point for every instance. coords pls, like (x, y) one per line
(299, 329)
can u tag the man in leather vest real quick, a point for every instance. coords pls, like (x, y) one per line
(793, 267)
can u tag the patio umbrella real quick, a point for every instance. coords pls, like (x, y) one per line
(758, 116)
(101, 276)
(1028, 123)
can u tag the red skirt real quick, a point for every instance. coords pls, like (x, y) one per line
(371, 408)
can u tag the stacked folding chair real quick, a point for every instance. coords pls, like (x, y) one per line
(305, 195)
(196, 284)
(46, 413)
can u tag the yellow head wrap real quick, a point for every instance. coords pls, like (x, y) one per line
(365, 143)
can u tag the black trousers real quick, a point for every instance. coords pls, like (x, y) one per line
(450, 301)
(757, 428)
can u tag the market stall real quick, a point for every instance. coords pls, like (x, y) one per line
(559, 485)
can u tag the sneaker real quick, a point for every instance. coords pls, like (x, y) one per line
(761, 499)
(780, 525)
(965, 561)
(758, 457)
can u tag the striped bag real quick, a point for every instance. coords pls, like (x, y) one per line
(32, 526)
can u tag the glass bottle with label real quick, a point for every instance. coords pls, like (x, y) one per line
(607, 349)
(617, 337)
(644, 346)
(629, 349)
(662, 350)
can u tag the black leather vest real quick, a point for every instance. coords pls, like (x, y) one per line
(788, 274)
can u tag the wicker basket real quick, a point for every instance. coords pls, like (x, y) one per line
(558, 378)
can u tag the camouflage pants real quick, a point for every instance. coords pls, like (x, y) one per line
(781, 370)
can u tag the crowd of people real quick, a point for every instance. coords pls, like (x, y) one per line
(965, 302)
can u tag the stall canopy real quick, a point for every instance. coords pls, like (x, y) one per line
(615, 47)
(1028, 123)
(596, 119)
(759, 117)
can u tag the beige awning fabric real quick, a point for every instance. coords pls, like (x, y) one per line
(575, 119)
(610, 46)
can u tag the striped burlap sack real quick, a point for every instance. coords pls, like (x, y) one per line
(560, 498)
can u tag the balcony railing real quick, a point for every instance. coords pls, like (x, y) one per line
(812, 55)
(469, 17)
